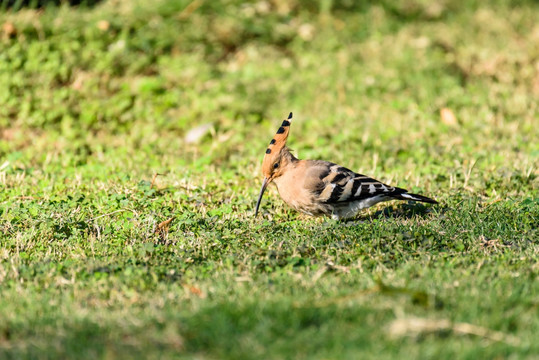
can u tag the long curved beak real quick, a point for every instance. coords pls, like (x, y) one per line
(262, 189)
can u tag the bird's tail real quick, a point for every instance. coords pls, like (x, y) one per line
(414, 197)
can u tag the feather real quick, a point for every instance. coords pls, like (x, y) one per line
(336, 184)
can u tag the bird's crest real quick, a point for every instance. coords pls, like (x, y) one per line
(276, 145)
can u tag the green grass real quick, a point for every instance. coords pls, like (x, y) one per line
(95, 101)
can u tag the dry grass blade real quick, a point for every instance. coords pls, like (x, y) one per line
(155, 175)
(191, 8)
(419, 326)
(108, 214)
(162, 227)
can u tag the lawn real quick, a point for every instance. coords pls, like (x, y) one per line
(131, 140)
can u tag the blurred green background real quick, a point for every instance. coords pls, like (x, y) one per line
(96, 99)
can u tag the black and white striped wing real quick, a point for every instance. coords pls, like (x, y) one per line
(340, 185)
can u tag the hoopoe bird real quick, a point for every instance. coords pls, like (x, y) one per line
(317, 187)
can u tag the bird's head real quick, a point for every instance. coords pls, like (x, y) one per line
(276, 158)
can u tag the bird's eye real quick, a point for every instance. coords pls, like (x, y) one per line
(276, 165)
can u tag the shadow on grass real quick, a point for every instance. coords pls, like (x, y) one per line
(16, 5)
(402, 211)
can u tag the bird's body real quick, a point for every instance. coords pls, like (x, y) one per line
(317, 187)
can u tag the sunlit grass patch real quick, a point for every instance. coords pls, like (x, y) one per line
(102, 258)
